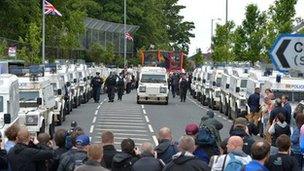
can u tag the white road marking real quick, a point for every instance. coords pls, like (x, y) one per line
(150, 128)
(230, 121)
(94, 119)
(133, 138)
(96, 112)
(224, 118)
(144, 111)
(142, 106)
(119, 130)
(121, 123)
(121, 120)
(121, 126)
(147, 119)
(121, 117)
(98, 107)
(127, 134)
(92, 129)
(155, 140)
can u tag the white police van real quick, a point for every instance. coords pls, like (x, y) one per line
(153, 85)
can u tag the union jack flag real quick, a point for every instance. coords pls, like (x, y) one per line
(128, 36)
(50, 9)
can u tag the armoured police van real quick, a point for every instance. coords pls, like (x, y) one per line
(215, 87)
(205, 88)
(224, 93)
(195, 82)
(62, 70)
(153, 85)
(37, 102)
(9, 101)
(74, 81)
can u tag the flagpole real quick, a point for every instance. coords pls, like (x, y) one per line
(43, 33)
(125, 31)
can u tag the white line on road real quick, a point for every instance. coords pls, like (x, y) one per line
(144, 111)
(120, 130)
(127, 134)
(155, 140)
(230, 121)
(94, 119)
(121, 117)
(133, 138)
(142, 106)
(92, 129)
(98, 107)
(150, 128)
(121, 123)
(96, 112)
(147, 119)
(224, 118)
(120, 126)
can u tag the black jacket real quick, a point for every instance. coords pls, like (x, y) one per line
(109, 152)
(248, 140)
(254, 102)
(274, 113)
(58, 154)
(147, 162)
(23, 158)
(123, 162)
(165, 150)
(3, 160)
(45, 164)
(184, 162)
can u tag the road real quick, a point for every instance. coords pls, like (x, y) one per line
(126, 119)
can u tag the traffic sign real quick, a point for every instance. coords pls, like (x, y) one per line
(288, 52)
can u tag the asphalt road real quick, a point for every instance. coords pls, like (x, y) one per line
(126, 119)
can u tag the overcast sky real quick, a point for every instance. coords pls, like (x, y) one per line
(202, 11)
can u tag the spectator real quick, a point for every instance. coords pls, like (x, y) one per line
(94, 158)
(254, 105)
(282, 161)
(44, 143)
(252, 128)
(265, 109)
(260, 153)
(240, 129)
(235, 154)
(23, 158)
(200, 152)
(295, 140)
(286, 105)
(269, 94)
(77, 155)
(185, 160)
(11, 135)
(109, 151)
(167, 147)
(148, 161)
(3, 157)
(59, 138)
(223, 150)
(279, 109)
(278, 128)
(124, 160)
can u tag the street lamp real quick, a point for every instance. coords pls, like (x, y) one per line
(125, 31)
(212, 20)
(226, 19)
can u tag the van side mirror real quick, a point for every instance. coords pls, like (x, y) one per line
(59, 92)
(84, 79)
(75, 80)
(68, 84)
(213, 83)
(204, 81)
(7, 118)
(237, 89)
(227, 86)
(39, 101)
(278, 78)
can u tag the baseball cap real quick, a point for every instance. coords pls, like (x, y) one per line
(191, 129)
(83, 140)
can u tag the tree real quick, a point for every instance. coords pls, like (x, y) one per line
(3, 49)
(198, 58)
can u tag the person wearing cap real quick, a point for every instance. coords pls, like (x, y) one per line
(96, 84)
(192, 130)
(77, 155)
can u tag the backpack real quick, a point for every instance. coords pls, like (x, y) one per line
(205, 137)
(76, 159)
(233, 164)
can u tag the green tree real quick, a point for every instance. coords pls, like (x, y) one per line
(3, 49)
(198, 58)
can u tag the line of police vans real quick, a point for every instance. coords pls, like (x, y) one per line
(227, 88)
(41, 96)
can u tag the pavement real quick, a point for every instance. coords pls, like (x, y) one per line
(127, 119)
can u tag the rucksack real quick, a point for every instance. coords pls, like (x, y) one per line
(233, 164)
(205, 137)
(77, 159)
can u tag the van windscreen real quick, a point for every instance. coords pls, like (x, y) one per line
(151, 78)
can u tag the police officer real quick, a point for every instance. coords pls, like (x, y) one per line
(111, 84)
(120, 86)
(183, 86)
(174, 84)
(96, 83)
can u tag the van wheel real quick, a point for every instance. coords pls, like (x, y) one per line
(137, 101)
(167, 101)
(52, 129)
(221, 107)
(42, 128)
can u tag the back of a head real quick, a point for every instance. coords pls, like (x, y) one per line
(23, 135)
(77, 132)
(234, 143)
(165, 133)
(59, 137)
(147, 148)
(300, 119)
(283, 143)
(43, 138)
(12, 132)
(281, 117)
(260, 150)
(95, 152)
(107, 137)
(127, 146)
(186, 143)
(278, 102)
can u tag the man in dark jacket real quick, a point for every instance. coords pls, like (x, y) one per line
(166, 148)
(279, 109)
(286, 105)
(183, 86)
(254, 105)
(110, 84)
(242, 131)
(174, 84)
(96, 84)
(124, 160)
(185, 160)
(148, 162)
(109, 151)
(23, 158)
(59, 139)
(120, 86)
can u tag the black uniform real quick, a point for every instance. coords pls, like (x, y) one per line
(183, 85)
(120, 87)
(96, 84)
(174, 85)
(111, 84)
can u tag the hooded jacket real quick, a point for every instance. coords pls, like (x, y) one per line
(165, 150)
(123, 161)
(147, 162)
(186, 161)
(23, 158)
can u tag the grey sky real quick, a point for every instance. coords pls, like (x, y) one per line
(202, 11)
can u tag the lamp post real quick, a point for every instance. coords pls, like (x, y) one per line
(125, 31)
(226, 19)
(212, 20)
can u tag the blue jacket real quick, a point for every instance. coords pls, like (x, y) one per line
(295, 141)
(201, 154)
(254, 102)
(288, 108)
(165, 150)
(254, 166)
